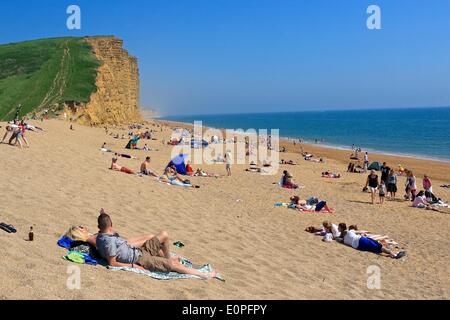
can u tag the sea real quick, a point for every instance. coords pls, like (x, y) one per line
(417, 132)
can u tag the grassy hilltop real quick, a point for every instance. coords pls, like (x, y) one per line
(43, 74)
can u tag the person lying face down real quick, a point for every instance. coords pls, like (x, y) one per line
(354, 239)
(146, 253)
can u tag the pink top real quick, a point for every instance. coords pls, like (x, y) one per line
(426, 183)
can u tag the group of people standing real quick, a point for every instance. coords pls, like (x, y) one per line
(388, 184)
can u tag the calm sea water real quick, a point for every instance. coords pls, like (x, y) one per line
(423, 132)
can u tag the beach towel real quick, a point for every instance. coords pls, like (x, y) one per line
(80, 258)
(281, 204)
(169, 275)
(76, 253)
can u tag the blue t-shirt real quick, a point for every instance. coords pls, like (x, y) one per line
(113, 246)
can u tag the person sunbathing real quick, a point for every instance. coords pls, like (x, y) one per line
(104, 149)
(201, 173)
(289, 162)
(145, 253)
(253, 167)
(310, 205)
(171, 176)
(354, 239)
(145, 168)
(123, 155)
(331, 175)
(329, 232)
(116, 167)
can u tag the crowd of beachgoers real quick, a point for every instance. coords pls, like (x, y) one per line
(152, 253)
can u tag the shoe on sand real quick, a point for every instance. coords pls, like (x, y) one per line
(400, 254)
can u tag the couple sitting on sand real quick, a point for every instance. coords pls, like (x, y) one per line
(144, 170)
(354, 238)
(170, 173)
(143, 252)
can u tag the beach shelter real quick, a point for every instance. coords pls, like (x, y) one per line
(197, 144)
(375, 166)
(179, 164)
(132, 144)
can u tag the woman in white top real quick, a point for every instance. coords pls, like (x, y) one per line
(330, 231)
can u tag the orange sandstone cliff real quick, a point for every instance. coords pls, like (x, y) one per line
(116, 100)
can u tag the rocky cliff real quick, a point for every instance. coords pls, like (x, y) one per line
(116, 99)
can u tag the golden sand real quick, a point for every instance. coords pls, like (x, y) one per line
(262, 251)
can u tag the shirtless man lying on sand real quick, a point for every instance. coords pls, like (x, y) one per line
(145, 252)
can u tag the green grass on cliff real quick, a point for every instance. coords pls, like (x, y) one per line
(43, 74)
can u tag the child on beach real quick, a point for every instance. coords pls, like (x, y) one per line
(392, 183)
(366, 161)
(382, 191)
(427, 184)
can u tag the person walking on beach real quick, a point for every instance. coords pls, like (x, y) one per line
(382, 191)
(228, 162)
(372, 183)
(366, 161)
(392, 184)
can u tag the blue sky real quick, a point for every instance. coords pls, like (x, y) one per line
(220, 56)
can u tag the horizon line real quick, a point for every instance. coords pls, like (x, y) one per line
(297, 111)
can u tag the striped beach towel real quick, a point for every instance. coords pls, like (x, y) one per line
(170, 275)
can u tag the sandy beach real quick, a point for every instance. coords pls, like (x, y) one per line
(261, 250)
